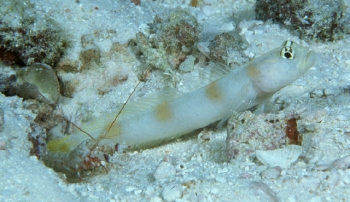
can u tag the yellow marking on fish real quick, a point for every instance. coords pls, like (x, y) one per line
(252, 71)
(213, 92)
(163, 112)
(59, 145)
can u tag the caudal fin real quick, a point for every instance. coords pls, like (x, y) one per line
(65, 144)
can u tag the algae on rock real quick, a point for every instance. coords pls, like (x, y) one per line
(27, 36)
(322, 19)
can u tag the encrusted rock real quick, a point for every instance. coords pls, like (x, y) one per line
(169, 41)
(222, 45)
(90, 56)
(247, 132)
(27, 37)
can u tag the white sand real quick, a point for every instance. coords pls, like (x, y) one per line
(192, 169)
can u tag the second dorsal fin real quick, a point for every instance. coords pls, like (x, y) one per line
(150, 101)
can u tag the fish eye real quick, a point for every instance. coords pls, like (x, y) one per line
(287, 50)
(288, 55)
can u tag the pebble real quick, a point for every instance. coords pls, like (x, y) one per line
(316, 93)
(38, 81)
(347, 62)
(310, 183)
(209, 1)
(280, 157)
(342, 163)
(2, 145)
(172, 192)
(271, 173)
(331, 91)
(341, 117)
(315, 116)
(2, 121)
(321, 167)
(187, 65)
(263, 192)
(209, 10)
(332, 179)
(165, 170)
(4, 155)
(316, 199)
(204, 48)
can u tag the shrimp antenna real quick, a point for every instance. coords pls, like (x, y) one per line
(115, 119)
(124, 104)
(83, 131)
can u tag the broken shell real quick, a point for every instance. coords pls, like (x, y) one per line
(39, 82)
(280, 157)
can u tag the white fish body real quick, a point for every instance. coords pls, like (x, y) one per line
(173, 114)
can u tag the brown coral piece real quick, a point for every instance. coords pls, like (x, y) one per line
(292, 132)
(137, 2)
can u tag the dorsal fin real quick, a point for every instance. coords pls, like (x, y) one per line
(150, 101)
(205, 73)
(215, 70)
(133, 108)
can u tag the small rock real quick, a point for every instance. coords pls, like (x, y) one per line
(310, 184)
(203, 47)
(342, 163)
(315, 116)
(165, 170)
(271, 173)
(68, 65)
(188, 64)
(172, 192)
(209, 1)
(280, 157)
(38, 81)
(263, 192)
(2, 121)
(2, 145)
(321, 167)
(90, 55)
(317, 93)
(332, 179)
(341, 117)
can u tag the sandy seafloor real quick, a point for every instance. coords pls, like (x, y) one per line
(197, 169)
